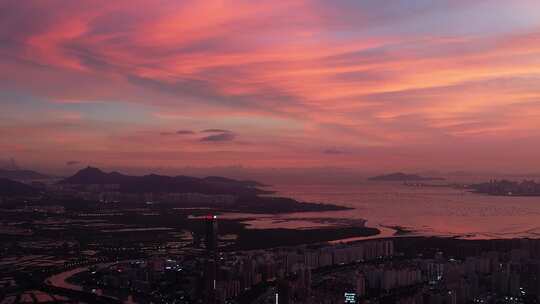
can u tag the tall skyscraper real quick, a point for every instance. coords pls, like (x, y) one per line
(283, 292)
(212, 259)
(211, 236)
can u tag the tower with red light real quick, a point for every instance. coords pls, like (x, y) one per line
(212, 258)
(211, 239)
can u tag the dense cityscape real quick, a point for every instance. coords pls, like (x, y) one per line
(82, 241)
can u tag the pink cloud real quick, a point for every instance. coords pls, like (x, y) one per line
(290, 78)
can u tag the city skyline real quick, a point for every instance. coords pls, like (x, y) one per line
(401, 85)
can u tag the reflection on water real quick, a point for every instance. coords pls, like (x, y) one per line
(426, 211)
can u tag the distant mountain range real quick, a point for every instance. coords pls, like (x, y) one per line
(402, 177)
(246, 192)
(165, 184)
(19, 174)
(13, 188)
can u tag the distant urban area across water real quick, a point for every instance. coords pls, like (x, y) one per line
(438, 211)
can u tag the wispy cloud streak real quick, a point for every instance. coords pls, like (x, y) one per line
(291, 78)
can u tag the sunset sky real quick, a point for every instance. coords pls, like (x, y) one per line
(372, 85)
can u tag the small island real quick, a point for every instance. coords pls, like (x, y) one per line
(403, 177)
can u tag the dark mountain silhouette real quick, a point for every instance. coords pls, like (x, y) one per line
(91, 175)
(19, 174)
(271, 204)
(402, 177)
(164, 184)
(12, 188)
(245, 183)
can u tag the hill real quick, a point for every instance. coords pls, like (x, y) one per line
(164, 184)
(18, 174)
(245, 183)
(12, 188)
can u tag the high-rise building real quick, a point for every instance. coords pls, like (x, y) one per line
(283, 294)
(211, 267)
(360, 285)
(211, 235)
